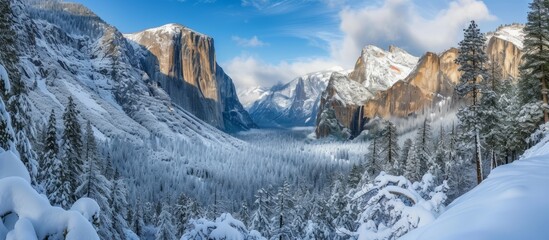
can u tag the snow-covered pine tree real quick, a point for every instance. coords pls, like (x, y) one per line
(166, 229)
(72, 156)
(95, 186)
(491, 110)
(423, 146)
(390, 149)
(54, 177)
(413, 165)
(138, 223)
(438, 163)
(520, 122)
(7, 135)
(373, 167)
(20, 107)
(244, 213)
(183, 212)
(403, 157)
(355, 175)
(534, 68)
(118, 203)
(260, 217)
(472, 61)
(336, 206)
(284, 209)
(8, 52)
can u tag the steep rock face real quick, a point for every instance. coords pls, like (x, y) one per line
(293, 104)
(235, 117)
(343, 100)
(65, 50)
(183, 63)
(433, 79)
(507, 55)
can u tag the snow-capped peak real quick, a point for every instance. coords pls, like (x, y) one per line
(378, 69)
(168, 29)
(513, 33)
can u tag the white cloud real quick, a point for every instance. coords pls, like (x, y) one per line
(248, 71)
(251, 42)
(400, 22)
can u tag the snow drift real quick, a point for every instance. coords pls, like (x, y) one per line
(510, 204)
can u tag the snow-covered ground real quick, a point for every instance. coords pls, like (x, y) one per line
(512, 203)
(25, 214)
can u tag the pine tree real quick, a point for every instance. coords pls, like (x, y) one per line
(182, 213)
(166, 229)
(390, 148)
(53, 175)
(20, 107)
(94, 185)
(534, 68)
(260, 217)
(404, 157)
(7, 137)
(138, 223)
(355, 175)
(118, 205)
(438, 164)
(472, 60)
(491, 110)
(7, 134)
(374, 164)
(72, 156)
(244, 214)
(9, 57)
(413, 165)
(284, 206)
(423, 146)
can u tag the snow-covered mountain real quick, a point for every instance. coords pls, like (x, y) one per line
(297, 103)
(375, 70)
(66, 50)
(430, 81)
(292, 104)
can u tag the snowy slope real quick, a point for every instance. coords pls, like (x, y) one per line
(66, 50)
(510, 204)
(293, 104)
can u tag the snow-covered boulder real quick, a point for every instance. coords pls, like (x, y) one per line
(25, 214)
(88, 208)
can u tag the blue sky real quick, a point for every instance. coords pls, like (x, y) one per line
(262, 42)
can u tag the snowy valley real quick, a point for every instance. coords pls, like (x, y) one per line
(143, 135)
